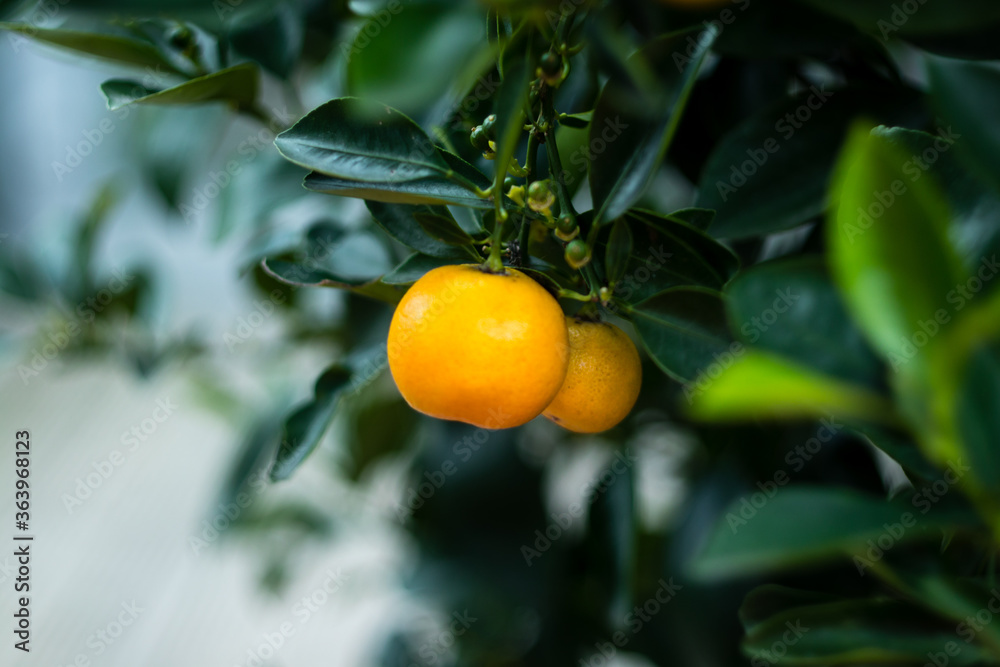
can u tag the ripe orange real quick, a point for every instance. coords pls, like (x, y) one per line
(602, 382)
(477, 347)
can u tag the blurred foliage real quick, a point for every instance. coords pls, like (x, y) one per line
(795, 205)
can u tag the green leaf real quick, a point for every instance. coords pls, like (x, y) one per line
(610, 544)
(636, 117)
(408, 63)
(668, 252)
(273, 40)
(431, 191)
(967, 95)
(618, 252)
(118, 48)
(871, 631)
(400, 222)
(754, 384)
(806, 525)
(889, 251)
(889, 18)
(575, 120)
(304, 429)
(357, 140)
(978, 417)
(772, 171)
(791, 308)
(416, 265)
(509, 106)
(699, 218)
(236, 85)
(683, 329)
(329, 258)
(769, 600)
(442, 228)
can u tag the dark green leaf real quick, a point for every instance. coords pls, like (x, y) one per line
(889, 18)
(978, 413)
(575, 120)
(117, 47)
(700, 218)
(400, 222)
(772, 172)
(357, 140)
(636, 118)
(236, 85)
(274, 41)
(967, 95)
(860, 632)
(416, 265)
(442, 228)
(618, 252)
(791, 308)
(683, 329)
(800, 525)
(408, 63)
(305, 428)
(509, 106)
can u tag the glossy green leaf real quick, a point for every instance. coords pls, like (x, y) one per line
(889, 251)
(668, 252)
(967, 95)
(873, 631)
(978, 415)
(636, 118)
(618, 251)
(753, 384)
(304, 429)
(408, 63)
(769, 600)
(785, 530)
(791, 308)
(236, 85)
(772, 171)
(701, 218)
(683, 329)
(120, 48)
(400, 222)
(431, 191)
(274, 40)
(509, 106)
(364, 141)
(416, 265)
(575, 120)
(442, 228)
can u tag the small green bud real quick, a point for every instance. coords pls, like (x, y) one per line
(489, 127)
(550, 68)
(577, 253)
(479, 139)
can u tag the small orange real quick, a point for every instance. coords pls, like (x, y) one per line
(602, 382)
(478, 347)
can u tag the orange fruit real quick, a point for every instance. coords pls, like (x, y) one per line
(477, 347)
(602, 381)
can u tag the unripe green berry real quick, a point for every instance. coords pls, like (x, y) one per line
(577, 253)
(489, 127)
(551, 67)
(479, 139)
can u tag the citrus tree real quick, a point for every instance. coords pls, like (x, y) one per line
(790, 207)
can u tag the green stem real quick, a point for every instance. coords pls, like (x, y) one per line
(522, 240)
(555, 163)
(575, 296)
(593, 282)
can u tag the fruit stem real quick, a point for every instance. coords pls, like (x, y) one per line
(574, 295)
